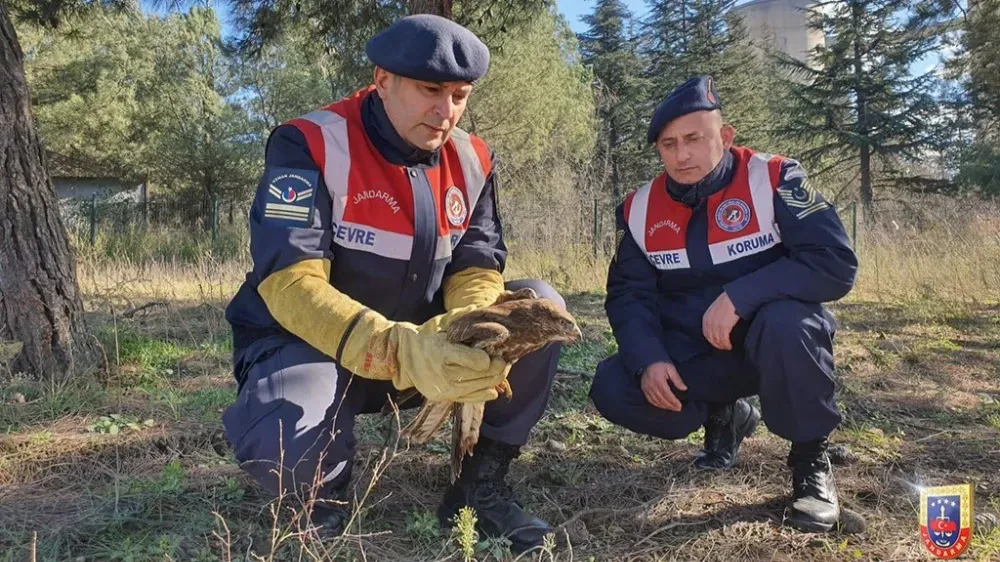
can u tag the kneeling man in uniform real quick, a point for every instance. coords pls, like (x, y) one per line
(374, 226)
(715, 294)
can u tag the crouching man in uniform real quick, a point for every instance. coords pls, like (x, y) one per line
(715, 294)
(375, 225)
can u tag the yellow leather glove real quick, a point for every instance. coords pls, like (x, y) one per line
(423, 358)
(465, 291)
(474, 286)
(302, 300)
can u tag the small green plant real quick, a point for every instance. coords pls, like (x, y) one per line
(158, 357)
(993, 420)
(986, 546)
(549, 545)
(696, 438)
(173, 477)
(116, 423)
(423, 525)
(497, 547)
(439, 447)
(210, 400)
(137, 547)
(232, 490)
(171, 481)
(465, 532)
(585, 355)
(41, 437)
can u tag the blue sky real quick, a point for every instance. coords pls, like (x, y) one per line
(574, 9)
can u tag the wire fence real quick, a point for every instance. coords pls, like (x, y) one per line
(112, 225)
(200, 217)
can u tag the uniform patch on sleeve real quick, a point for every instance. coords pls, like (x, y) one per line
(290, 196)
(802, 199)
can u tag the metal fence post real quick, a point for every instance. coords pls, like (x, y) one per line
(145, 204)
(93, 219)
(595, 228)
(854, 226)
(215, 216)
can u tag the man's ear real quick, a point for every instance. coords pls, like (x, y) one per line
(381, 78)
(728, 134)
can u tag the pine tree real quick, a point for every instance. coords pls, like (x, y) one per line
(40, 304)
(981, 44)
(856, 102)
(610, 49)
(689, 37)
(686, 38)
(974, 103)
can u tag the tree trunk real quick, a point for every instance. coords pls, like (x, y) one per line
(862, 129)
(437, 7)
(867, 196)
(40, 303)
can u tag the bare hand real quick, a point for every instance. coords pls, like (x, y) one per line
(656, 382)
(718, 322)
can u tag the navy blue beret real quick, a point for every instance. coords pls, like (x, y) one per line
(697, 94)
(430, 48)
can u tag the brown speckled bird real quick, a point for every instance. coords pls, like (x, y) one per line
(517, 324)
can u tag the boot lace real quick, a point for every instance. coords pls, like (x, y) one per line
(808, 475)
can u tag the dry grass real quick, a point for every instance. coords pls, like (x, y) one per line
(919, 370)
(935, 248)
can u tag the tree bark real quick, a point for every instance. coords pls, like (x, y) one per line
(863, 130)
(40, 302)
(441, 8)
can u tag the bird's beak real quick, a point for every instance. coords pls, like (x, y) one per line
(577, 334)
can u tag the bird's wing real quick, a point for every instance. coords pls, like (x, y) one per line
(481, 335)
(427, 421)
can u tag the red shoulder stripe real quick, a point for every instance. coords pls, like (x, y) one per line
(314, 140)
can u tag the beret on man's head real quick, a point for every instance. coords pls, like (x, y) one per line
(430, 48)
(697, 94)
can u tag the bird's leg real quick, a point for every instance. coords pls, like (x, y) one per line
(504, 389)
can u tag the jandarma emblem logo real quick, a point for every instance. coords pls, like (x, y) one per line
(946, 519)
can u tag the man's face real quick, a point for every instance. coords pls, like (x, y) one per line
(423, 113)
(692, 145)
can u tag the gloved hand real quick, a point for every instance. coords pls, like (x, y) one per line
(302, 300)
(471, 289)
(421, 357)
(441, 322)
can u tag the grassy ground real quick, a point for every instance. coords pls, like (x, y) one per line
(130, 465)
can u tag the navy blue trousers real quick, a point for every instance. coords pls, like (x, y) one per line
(296, 411)
(784, 354)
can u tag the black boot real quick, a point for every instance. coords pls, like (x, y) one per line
(482, 487)
(329, 517)
(815, 507)
(725, 430)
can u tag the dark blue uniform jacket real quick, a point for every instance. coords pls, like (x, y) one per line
(402, 290)
(657, 315)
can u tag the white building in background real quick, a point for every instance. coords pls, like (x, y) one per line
(784, 23)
